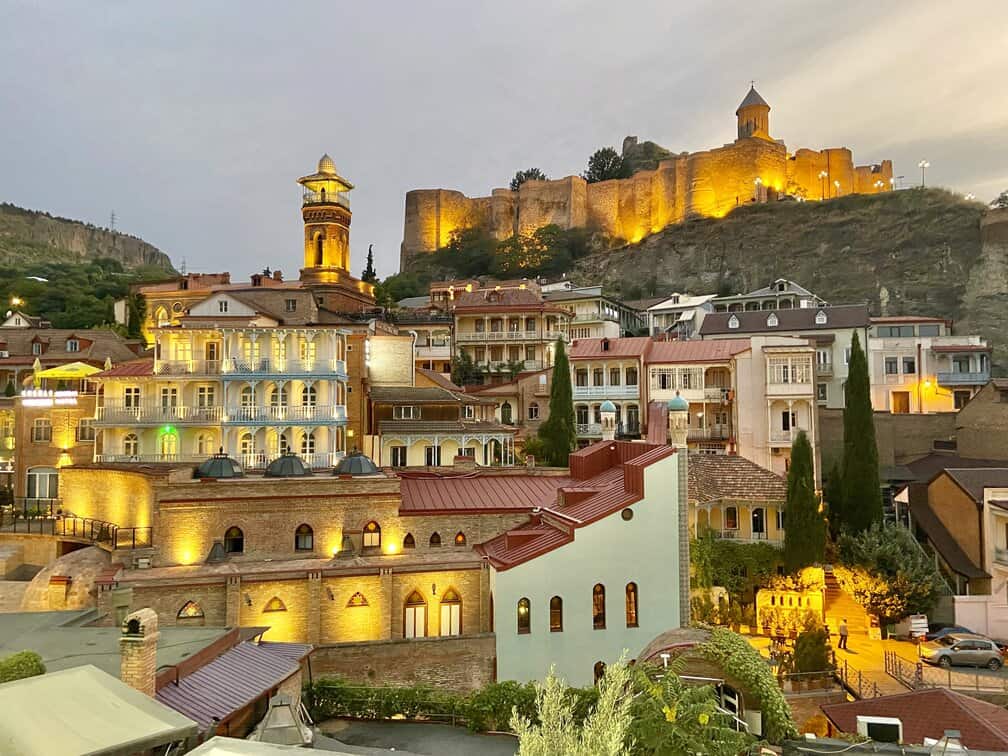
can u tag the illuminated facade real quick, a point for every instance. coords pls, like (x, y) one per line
(753, 168)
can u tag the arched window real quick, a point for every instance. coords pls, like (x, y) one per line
(556, 615)
(204, 444)
(524, 616)
(247, 397)
(631, 605)
(460, 539)
(598, 606)
(131, 445)
(278, 397)
(169, 444)
(161, 317)
(283, 445)
(319, 241)
(275, 605)
(506, 413)
(234, 540)
(435, 540)
(759, 522)
(246, 444)
(415, 616)
(409, 542)
(372, 535)
(308, 444)
(533, 411)
(598, 671)
(308, 396)
(451, 613)
(357, 600)
(190, 611)
(304, 538)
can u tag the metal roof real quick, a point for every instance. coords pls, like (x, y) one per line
(478, 493)
(233, 680)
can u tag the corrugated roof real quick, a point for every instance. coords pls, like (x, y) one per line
(233, 680)
(717, 477)
(478, 493)
(586, 349)
(795, 319)
(927, 714)
(438, 379)
(720, 350)
(131, 369)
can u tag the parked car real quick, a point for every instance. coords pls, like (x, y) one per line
(943, 631)
(964, 651)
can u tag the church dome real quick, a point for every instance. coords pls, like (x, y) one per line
(220, 466)
(287, 466)
(356, 463)
(607, 406)
(326, 165)
(751, 99)
(678, 404)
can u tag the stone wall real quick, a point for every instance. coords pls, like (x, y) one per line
(983, 424)
(708, 183)
(120, 496)
(899, 438)
(460, 664)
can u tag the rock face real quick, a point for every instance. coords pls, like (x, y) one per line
(28, 236)
(910, 252)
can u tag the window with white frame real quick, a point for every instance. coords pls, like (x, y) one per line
(822, 392)
(222, 306)
(820, 318)
(73, 345)
(131, 397)
(432, 456)
(406, 412)
(41, 432)
(85, 429)
(733, 322)
(469, 412)
(822, 358)
(37, 348)
(205, 397)
(290, 305)
(533, 411)
(789, 370)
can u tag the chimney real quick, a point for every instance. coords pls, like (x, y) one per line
(138, 651)
(277, 275)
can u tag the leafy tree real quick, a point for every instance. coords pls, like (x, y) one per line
(465, 372)
(888, 573)
(558, 432)
(399, 286)
(369, 275)
(136, 306)
(1001, 200)
(21, 665)
(470, 252)
(804, 528)
(812, 651)
(603, 165)
(862, 495)
(529, 174)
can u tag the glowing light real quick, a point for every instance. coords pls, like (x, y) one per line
(17, 301)
(391, 549)
(927, 383)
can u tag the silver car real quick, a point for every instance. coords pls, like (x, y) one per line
(963, 650)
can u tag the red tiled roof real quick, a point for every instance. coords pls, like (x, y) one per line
(927, 714)
(478, 493)
(694, 350)
(610, 477)
(131, 369)
(632, 346)
(233, 680)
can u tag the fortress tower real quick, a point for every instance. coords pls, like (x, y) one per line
(753, 116)
(325, 208)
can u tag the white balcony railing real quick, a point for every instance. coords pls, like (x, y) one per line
(606, 392)
(589, 429)
(267, 415)
(237, 367)
(187, 367)
(151, 458)
(253, 461)
(778, 436)
(118, 412)
(716, 394)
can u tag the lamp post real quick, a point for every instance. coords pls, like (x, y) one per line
(836, 187)
(923, 165)
(756, 191)
(822, 184)
(892, 185)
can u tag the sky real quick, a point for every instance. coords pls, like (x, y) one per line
(192, 120)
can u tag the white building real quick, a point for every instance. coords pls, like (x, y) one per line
(917, 365)
(594, 314)
(604, 569)
(782, 294)
(680, 315)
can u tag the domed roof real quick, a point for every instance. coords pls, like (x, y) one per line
(356, 463)
(286, 466)
(326, 165)
(678, 404)
(607, 406)
(220, 465)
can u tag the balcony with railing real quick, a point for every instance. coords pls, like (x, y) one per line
(310, 197)
(253, 461)
(588, 429)
(593, 317)
(433, 351)
(780, 437)
(117, 412)
(961, 378)
(310, 414)
(238, 368)
(607, 392)
(147, 459)
(187, 367)
(713, 433)
(824, 368)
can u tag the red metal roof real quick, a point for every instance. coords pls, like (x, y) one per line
(927, 714)
(694, 350)
(131, 369)
(587, 349)
(233, 680)
(478, 493)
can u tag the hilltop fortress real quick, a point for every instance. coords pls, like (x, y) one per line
(755, 167)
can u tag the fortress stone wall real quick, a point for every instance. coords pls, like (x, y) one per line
(708, 183)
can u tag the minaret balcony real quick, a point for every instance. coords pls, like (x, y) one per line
(321, 197)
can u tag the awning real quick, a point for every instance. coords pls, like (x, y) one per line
(687, 315)
(73, 371)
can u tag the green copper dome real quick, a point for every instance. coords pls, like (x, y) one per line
(678, 404)
(607, 406)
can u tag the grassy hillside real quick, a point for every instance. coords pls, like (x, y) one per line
(908, 252)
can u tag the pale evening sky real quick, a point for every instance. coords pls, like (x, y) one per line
(192, 120)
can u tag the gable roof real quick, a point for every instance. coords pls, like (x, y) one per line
(941, 539)
(793, 319)
(438, 379)
(720, 350)
(927, 467)
(133, 369)
(974, 480)
(927, 714)
(587, 349)
(478, 493)
(719, 477)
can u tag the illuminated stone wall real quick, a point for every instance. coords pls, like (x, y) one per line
(118, 496)
(708, 183)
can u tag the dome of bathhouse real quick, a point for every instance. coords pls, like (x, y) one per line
(220, 466)
(356, 463)
(287, 466)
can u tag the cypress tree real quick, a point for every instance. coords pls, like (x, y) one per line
(804, 527)
(369, 275)
(861, 494)
(557, 432)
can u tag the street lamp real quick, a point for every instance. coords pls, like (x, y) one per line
(836, 185)
(756, 191)
(892, 184)
(822, 184)
(923, 165)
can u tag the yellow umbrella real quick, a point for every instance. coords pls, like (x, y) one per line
(73, 371)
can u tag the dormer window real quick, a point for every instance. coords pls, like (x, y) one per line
(36, 348)
(222, 306)
(820, 318)
(771, 320)
(406, 413)
(605, 345)
(733, 322)
(469, 412)
(72, 345)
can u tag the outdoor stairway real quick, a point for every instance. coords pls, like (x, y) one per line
(840, 605)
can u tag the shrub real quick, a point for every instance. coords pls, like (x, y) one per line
(21, 665)
(812, 651)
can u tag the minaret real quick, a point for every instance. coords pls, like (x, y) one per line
(325, 207)
(753, 116)
(678, 421)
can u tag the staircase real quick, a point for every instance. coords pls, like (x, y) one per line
(840, 605)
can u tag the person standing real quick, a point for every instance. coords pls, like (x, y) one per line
(843, 632)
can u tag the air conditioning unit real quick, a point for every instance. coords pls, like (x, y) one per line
(881, 729)
(143, 563)
(4, 354)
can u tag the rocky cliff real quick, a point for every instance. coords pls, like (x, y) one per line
(29, 236)
(908, 252)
